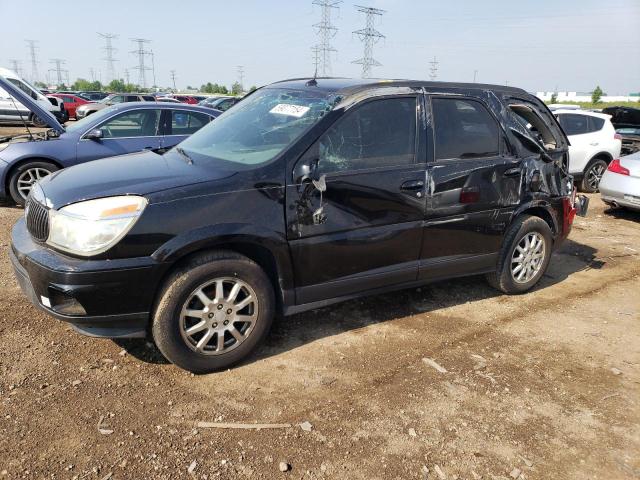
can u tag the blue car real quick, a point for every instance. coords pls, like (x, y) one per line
(116, 130)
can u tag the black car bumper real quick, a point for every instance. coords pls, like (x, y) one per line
(103, 298)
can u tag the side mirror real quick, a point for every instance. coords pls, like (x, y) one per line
(94, 134)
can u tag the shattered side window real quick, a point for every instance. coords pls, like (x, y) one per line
(380, 133)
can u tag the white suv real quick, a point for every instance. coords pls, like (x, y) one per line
(594, 143)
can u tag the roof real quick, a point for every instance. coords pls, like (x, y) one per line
(581, 112)
(162, 105)
(352, 85)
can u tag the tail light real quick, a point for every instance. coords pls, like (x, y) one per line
(617, 136)
(615, 167)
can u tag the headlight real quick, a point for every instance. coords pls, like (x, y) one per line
(92, 227)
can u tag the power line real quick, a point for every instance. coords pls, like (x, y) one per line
(326, 31)
(433, 69)
(34, 63)
(173, 79)
(108, 48)
(141, 67)
(369, 36)
(59, 71)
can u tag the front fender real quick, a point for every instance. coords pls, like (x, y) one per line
(230, 234)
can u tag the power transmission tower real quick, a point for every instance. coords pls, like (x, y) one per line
(173, 79)
(240, 70)
(59, 71)
(34, 63)
(369, 36)
(326, 31)
(433, 69)
(15, 66)
(153, 67)
(475, 76)
(108, 48)
(142, 68)
(92, 73)
(126, 76)
(316, 59)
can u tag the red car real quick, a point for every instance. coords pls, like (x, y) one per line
(71, 102)
(185, 99)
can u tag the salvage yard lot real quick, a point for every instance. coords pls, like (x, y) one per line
(543, 385)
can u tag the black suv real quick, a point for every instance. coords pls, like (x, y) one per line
(308, 192)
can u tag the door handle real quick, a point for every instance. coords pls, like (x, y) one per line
(415, 186)
(148, 148)
(512, 172)
(594, 144)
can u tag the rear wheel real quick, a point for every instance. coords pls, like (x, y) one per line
(593, 174)
(23, 178)
(524, 256)
(213, 312)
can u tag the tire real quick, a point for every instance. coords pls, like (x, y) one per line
(27, 172)
(38, 122)
(592, 175)
(525, 226)
(203, 274)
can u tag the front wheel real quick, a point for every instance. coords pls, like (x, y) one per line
(25, 176)
(592, 175)
(213, 312)
(524, 256)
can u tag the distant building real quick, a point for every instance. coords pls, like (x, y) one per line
(586, 97)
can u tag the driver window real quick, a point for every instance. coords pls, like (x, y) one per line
(380, 133)
(138, 123)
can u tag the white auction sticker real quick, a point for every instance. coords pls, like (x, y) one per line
(291, 110)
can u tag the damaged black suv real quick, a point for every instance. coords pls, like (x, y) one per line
(306, 193)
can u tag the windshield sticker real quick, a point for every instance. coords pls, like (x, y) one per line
(291, 110)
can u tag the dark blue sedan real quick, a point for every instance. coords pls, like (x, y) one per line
(116, 130)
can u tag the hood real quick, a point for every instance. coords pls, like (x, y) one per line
(133, 174)
(32, 105)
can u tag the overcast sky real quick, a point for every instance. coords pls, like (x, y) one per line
(533, 44)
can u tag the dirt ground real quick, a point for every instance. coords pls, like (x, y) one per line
(541, 386)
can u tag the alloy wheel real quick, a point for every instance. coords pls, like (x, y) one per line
(28, 178)
(218, 316)
(594, 175)
(528, 257)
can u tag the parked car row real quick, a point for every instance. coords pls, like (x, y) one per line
(306, 193)
(115, 129)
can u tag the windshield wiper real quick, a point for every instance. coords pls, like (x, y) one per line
(181, 151)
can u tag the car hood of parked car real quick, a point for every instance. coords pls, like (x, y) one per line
(140, 173)
(28, 102)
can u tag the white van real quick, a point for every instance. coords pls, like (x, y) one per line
(12, 110)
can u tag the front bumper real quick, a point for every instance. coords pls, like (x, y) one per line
(103, 298)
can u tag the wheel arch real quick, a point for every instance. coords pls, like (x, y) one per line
(8, 173)
(272, 256)
(542, 210)
(606, 156)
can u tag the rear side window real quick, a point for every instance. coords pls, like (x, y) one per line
(380, 133)
(464, 129)
(149, 98)
(132, 98)
(574, 124)
(595, 124)
(186, 123)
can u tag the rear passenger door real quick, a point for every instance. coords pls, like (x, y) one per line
(364, 231)
(576, 127)
(180, 124)
(474, 185)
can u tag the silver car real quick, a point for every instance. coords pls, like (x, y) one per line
(620, 184)
(113, 99)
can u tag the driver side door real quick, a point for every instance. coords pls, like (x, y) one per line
(127, 132)
(364, 231)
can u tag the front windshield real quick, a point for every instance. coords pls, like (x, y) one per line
(260, 127)
(84, 124)
(106, 99)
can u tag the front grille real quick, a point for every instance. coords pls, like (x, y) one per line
(37, 218)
